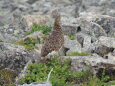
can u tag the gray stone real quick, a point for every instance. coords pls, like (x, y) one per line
(72, 45)
(107, 41)
(97, 25)
(97, 6)
(37, 34)
(110, 56)
(37, 84)
(69, 29)
(69, 25)
(17, 9)
(102, 50)
(98, 48)
(81, 63)
(87, 42)
(37, 18)
(15, 57)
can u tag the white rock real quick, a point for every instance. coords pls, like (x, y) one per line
(37, 84)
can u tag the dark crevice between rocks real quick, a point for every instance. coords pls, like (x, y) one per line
(31, 1)
(78, 29)
(65, 51)
(106, 72)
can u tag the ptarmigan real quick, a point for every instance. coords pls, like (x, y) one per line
(56, 39)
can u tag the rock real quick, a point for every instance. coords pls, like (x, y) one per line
(69, 29)
(84, 39)
(97, 25)
(86, 42)
(31, 1)
(38, 19)
(110, 56)
(98, 6)
(72, 45)
(17, 15)
(13, 28)
(80, 38)
(107, 23)
(15, 57)
(37, 84)
(107, 41)
(69, 25)
(98, 48)
(11, 47)
(37, 34)
(71, 7)
(81, 63)
(23, 72)
(102, 50)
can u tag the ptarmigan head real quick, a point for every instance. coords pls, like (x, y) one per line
(56, 15)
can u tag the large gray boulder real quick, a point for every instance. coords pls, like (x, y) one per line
(95, 62)
(102, 46)
(97, 25)
(15, 57)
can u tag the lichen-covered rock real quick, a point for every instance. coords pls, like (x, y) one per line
(97, 25)
(15, 57)
(110, 55)
(72, 45)
(102, 46)
(81, 63)
(107, 41)
(97, 7)
(38, 19)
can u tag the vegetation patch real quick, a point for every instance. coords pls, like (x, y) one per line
(7, 77)
(78, 54)
(60, 76)
(1, 40)
(71, 37)
(28, 43)
(95, 81)
(35, 27)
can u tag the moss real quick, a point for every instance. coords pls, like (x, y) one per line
(60, 76)
(7, 77)
(46, 29)
(28, 43)
(71, 37)
(78, 54)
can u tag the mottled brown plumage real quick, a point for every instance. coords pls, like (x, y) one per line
(55, 40)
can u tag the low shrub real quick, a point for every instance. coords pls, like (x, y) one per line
(60, 76)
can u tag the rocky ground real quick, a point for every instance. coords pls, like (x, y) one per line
(89, 27)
